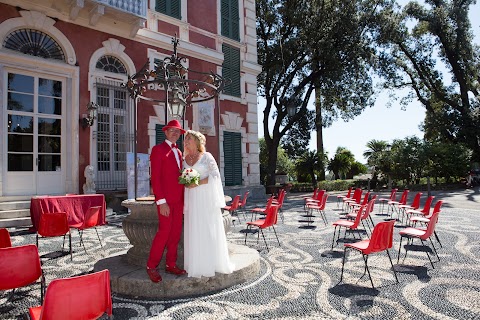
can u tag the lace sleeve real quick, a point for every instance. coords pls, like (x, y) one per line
(212, 166)
(215, 181)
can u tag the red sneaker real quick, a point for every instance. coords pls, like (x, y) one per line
(154, 275)
(175, 270)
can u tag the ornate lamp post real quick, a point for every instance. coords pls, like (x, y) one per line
(180, 86)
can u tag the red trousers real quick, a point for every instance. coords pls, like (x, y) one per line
(168, 235)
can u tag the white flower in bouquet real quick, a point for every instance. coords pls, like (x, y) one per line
(189, 176)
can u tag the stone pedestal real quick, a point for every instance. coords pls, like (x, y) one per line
(128, 275)
(141, 225)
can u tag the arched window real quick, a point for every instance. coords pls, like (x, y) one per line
(111, 64)
(35, 43)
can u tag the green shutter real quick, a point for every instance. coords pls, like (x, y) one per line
(159, 134)
(230, 19)
(171, 8)
(232, 153)
(231, 69)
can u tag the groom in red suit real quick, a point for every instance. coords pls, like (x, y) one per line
(166, 164)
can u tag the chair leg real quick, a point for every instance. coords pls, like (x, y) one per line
(246, 232)
(70, 245)
(428, 256)
(264, 239)
(343, 263)
(434, 249)
(365, 258)
(334, 232)
(98, 236)
(276, 235)
(438, 239)
(393, 268)
(80, 232)
(399, 248)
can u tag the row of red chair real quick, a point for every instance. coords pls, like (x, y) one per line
(55, 224)
(381, 238)
(81, 297)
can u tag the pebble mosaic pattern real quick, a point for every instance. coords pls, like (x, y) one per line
(299, 279)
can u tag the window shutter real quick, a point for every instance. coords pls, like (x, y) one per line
(171, 8)
(232, 153)
(159, 134)
(230, 19)
(231, 70)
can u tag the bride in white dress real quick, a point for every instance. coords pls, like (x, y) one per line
(205, 243)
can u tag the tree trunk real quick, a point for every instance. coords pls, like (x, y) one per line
(272, 149)
(319, 128)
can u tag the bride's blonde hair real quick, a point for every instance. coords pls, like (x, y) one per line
(199, 139)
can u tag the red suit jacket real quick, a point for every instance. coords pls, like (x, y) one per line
(165, 173)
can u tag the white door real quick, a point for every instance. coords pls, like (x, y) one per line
(35, 163)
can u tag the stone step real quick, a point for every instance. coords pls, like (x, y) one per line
(14, 205)
(15, 222)
(16, 213)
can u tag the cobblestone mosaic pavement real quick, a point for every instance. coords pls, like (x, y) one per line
(299, 279)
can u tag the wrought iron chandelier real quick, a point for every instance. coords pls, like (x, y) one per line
(182, 86)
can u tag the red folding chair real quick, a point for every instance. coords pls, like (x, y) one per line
(233, 207)
(381, 240)
(54, 225)
(383, 201)
(269, 221)
(20, 266)
(422, 234)
(90, 221)
(76, 298)
(5, 240)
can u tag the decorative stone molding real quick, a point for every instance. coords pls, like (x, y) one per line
(39, 21)
(95, 14)
(75, 7)
(232, 121)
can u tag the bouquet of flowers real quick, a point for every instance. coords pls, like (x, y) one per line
(189, 176)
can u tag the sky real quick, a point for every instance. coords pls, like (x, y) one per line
(378, 122)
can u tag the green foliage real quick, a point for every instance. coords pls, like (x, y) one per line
(341, 163)
(308, 166)
(284, 164)
(300, 51)
(415, 47)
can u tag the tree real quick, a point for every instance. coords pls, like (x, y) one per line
(416, 58)
(341, 163)
(310, 164)
(284, 163)
(300, 50)
(373, 154)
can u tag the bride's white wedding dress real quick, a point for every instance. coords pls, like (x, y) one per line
(205, 243)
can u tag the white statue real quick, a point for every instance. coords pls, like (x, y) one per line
(89, 185)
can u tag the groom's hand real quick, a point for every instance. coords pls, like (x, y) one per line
(164, 210)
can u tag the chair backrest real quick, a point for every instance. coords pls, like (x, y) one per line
(235, 203)
(357, 195)
(5, 241)
(437, 208)
(19, 266)
(403, 199)
(53, 224)
(416, 201)
(368, 208)
(431, 224)
(349, 193)
(358, 218)
(82, 297)
(382, 237)
(91, 217)
(427, 206)
(244, 200)
(271, 217)
(365, 198)
(320, 194)
(315, 193)
(393, 194)
(324, 201)
(281, 197)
